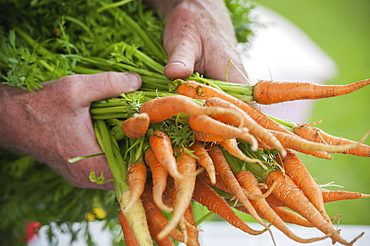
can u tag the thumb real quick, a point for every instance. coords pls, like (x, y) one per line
(105, 85)
(182, 47)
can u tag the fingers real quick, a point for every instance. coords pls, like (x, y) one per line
(182, 44)
(105, 85)
(202, 43)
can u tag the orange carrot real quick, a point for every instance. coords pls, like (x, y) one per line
(250, 183)
(205, 195)
(159, 179)
(295, 142)
(162, 147)
(128, 233)
(204, 160)
(286, 215)
(191, 227)
(287, 191)
(186, 165)
(136, 126)
(154, 233)
(317, 135)
(226, 174)
(269, 92)
(231, 146)
(339, 195)
(204, 123)
(154, 214)
(136, 178)
(297, 171)
(197, 90)
(162, 108)
(254, 128)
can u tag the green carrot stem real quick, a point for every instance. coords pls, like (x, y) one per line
(114, 160)
(110, 116)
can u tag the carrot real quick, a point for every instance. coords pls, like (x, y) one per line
(204, 123)
(206, 137)
(162, 108)
(191, 227)
(162, 147)
(291, 217)
(287, 191)
(136, 178)
(339, 195)
(154, 214)
(205, 195)
(204, 159)
(197, 90)
(136, 219)
(250, 183)
(184, 189)
(154, 233)
(128, 233)
(269, 92)
(297, 171)
(231, 146)
(295, 142)
(159, 179)
(226, 174)
(254, 128)
(317, 135)
(136, 126)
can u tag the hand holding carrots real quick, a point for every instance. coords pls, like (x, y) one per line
(54, 123)
(200, 43)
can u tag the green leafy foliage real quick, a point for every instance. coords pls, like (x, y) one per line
(42, 40)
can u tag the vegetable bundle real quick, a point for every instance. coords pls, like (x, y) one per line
(174, 142)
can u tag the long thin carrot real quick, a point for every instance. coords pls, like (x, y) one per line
(286, 215)
(136, 126)
(315, 134)
(204, 159)
(250, 183)
(159, 178)
(136, 178)
(205, 195)
(206, 124)
(154, 233)
(297, 171)
(162, 108)
(257, 130)
(269, 92)
(339, 195)
(186, 165)
(137, 219)
(162, 147)
(191, 227)
(128, 233)
(295, 142)
(287, 191)
(154, 214)
(197, 90)
(231, 146)
(226, 174)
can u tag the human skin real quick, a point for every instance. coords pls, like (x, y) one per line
(199, 37)
(54, 124)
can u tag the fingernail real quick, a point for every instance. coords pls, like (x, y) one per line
(134, 80)
(176, 63)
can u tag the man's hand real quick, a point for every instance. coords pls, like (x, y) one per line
(199, 37)
(54, 124)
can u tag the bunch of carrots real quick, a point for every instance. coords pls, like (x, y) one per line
(202, 144)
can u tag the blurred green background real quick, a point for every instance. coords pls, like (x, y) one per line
(342, 29)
